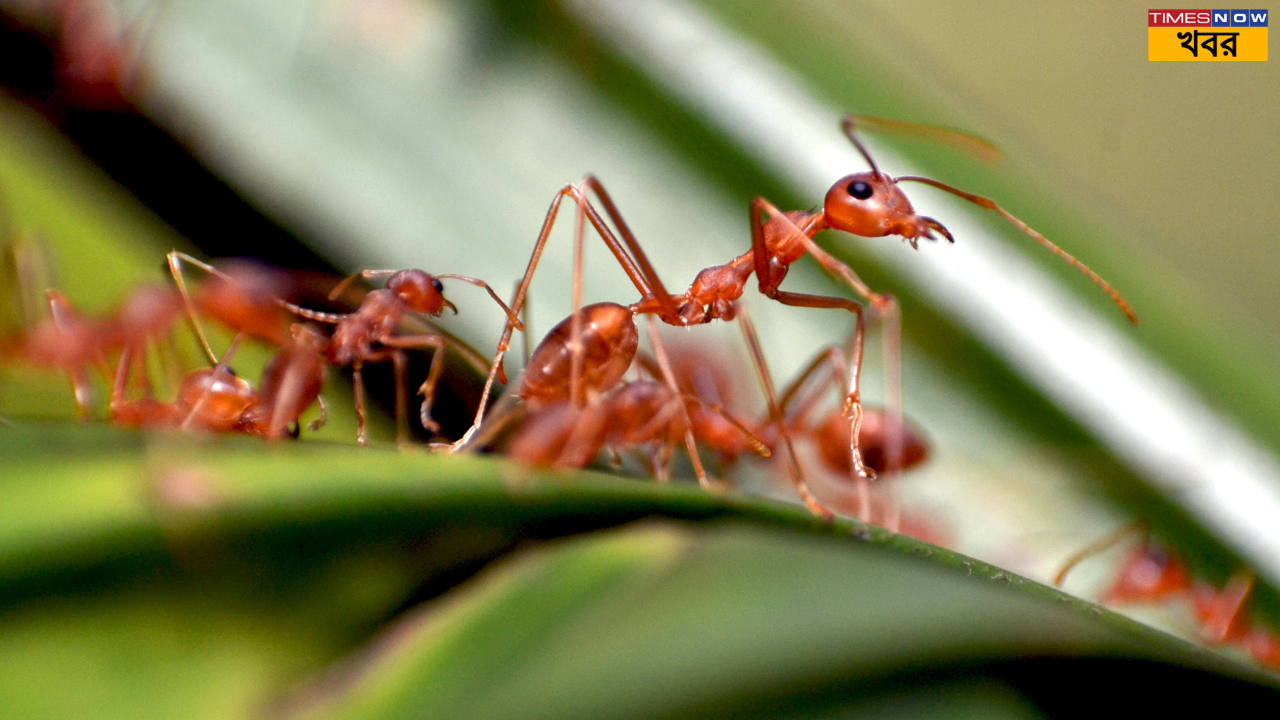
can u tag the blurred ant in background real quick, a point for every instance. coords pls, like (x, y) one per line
(249, 300)
(1151, 573)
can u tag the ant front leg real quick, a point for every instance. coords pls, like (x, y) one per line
(763, 257)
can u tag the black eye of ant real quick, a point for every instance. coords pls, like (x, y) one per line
(860, 190)
(439, 286)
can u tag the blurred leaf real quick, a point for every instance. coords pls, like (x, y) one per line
(235, 567)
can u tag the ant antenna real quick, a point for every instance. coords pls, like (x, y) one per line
(515, 320)
(1098, 546)
(847, 124)
(756, 445)
(980, 147)
(362, 275)
(989, 204)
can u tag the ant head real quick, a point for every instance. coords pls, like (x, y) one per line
(1148, 574)
(871, 205)
(420, 291)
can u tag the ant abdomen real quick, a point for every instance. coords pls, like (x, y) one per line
(609, 343)
(832, 439)
(214, 399)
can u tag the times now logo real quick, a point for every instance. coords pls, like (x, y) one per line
(1206, 18)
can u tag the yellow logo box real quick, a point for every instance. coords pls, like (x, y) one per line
(1209, 43)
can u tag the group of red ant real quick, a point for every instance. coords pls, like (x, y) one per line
(571, 401)
(1153, 574)
(249, 300)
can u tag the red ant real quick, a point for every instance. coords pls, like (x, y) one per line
(868, 204)
(368, 335)
(99, 53)
(215, 399)
(579, 372)
(563, 432)
(703, 375)
(1152, 574)
(73, 343)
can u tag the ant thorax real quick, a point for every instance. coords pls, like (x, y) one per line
(377, 317)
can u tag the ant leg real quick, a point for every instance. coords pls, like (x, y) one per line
(324, 416)
(636, 275)
(517, 303)
(399, 361)
(357, 379)
(761, 207)
(656, 288)
(120, 383)
(61, 313)
(575, 334)
(525, 346)
(176, 260)
(775, 412)
(833, 359)
(890, 321)
(669, 377)
(428, 388)
(853, 397)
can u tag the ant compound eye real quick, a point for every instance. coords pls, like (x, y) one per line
(860, 190)
(439, 286)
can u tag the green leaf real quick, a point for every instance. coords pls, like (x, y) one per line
(225, 570)
(723, 619)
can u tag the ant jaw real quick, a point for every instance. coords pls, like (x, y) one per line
(451, 306)
(930, 225)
